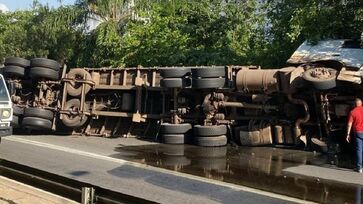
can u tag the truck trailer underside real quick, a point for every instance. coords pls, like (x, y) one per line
(305, 102)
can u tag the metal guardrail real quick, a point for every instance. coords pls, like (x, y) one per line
(81, 192)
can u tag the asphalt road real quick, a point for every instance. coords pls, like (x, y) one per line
(87, 161)
(91, 160)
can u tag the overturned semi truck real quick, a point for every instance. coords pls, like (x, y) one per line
(306, 101)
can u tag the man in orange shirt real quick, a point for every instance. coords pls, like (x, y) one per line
(355, 122)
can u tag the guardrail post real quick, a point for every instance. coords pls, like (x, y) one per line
(88, 195)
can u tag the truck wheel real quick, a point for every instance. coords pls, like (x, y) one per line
(210, 131)
(43, 73)
(172, 82)
(18, 110)
(39, 113)
(172, 138)
(74, 120)
(174, 72)
(35, 123)
(209, 72)
(43, 62)
(211, 141)
(15, 122)
(75, 89)
(321, 78)
(17, 61)
(207, 83)
(168, 128)
(12, 70)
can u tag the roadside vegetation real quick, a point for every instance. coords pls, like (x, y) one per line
(176, 32)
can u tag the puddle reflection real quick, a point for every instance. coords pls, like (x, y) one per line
(256, 167)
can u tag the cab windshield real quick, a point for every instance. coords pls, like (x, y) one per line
(4, 96)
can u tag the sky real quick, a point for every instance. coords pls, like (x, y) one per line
(13, 5)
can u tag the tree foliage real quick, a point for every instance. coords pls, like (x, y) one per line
(176, 32)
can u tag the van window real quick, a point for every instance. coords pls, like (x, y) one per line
(4, 96)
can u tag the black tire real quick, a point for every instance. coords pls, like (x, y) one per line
(15, 123)
(210, 131)
(76, 120)
(209, 72)
(127, 102)
(174, 72)
(39, 113)
(17, 61)
(168, 128)
(172, 82)
(43, 73)
(12, 70)
(18, 110)
(207, 83)
(43, 62)
(172, 138)
(75, 89)
(34, 123)
(327, 82)
(217, 141)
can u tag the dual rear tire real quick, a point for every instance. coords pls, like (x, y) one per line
(174, 133)
(32, 118)
(175, 77)
(210, 136)
(44, 69)
(38, 68)
(208, 78)
(15, 67)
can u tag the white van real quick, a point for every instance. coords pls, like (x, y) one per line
(6, 110)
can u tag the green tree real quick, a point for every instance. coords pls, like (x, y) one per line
(290, 22)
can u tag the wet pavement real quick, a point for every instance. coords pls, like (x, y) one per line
(191, 174)
(257, 167)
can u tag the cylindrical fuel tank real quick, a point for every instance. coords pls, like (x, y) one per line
(257, 80)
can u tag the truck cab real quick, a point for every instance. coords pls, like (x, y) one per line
(6, 110)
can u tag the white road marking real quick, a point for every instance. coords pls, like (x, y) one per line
(147, 167)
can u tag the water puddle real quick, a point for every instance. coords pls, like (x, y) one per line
(256, 167)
